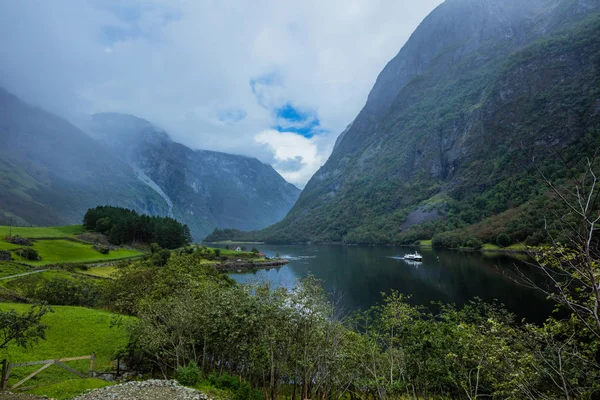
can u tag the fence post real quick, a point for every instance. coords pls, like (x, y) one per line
(92, 364)
(3, 374)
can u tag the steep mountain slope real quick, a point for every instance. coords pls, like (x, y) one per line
(51, 172)
(205, 189)
(438, 145)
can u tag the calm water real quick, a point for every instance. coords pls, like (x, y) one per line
(360, 274)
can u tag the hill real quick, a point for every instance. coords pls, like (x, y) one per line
(445, 139)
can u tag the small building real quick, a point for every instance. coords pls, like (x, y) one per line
(262, 255)
(236, 248)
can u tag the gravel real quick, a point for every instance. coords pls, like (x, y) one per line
(153, 389)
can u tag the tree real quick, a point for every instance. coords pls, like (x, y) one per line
(23, 329)
(503, 240)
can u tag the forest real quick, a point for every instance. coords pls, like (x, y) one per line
(123, 226)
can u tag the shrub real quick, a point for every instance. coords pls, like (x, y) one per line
(224, 381)
(28, 254)
(245, 392)
(5, 255)
(473, 243)
(503, 240)
(101, 249)
(188, 375)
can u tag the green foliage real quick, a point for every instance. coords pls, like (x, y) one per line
(28, 254)
(22, 329)
(59, 288)
(188, 375)
(123, 226)
(246, 392)
(503, 240)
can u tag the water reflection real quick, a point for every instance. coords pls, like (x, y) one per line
(361, 274)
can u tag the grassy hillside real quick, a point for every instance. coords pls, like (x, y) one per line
(73, 331)
(58, 246)
(41, 232)
(57, 251)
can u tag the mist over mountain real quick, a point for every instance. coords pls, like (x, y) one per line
(51, 172)
(205, 189)
(439, 144)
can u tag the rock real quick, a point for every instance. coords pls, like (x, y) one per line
(152, 389)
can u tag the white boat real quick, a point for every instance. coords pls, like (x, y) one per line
(414, 257)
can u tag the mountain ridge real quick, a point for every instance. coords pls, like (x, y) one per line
(224, 189)
(442, 140)
(51, 172)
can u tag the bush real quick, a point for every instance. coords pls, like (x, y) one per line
(101, 249)
(245, 392)
(224, 381)
(5, 255)
(473, 243)
(188, 375)
(28, 254)
(503, 240)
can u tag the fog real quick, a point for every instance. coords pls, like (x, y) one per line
(277, 80)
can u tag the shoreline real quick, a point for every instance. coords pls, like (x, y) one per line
(241, 266)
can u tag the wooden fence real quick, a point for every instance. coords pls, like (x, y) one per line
(7, 368)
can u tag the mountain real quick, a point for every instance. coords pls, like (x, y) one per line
(51, 172)
(205, 189)
(444, 140)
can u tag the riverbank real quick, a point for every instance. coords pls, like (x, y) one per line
(250, 265)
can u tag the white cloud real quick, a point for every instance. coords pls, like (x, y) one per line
(297, 158)
(188, 65)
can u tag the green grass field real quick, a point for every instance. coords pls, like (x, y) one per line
(105, 271)
(72, 332)
(41, 232)
(513, 247)
(57, 251)
(69, 388)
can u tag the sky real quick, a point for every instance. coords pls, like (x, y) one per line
(278, 80)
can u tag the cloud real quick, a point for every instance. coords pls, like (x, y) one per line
(296, 157)
(215, 75)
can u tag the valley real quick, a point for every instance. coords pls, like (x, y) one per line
(155, 242)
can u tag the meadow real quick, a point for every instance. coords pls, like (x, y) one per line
(73, 331)
(64, 251)
(42, 232)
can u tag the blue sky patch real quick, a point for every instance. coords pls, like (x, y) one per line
(291, 119)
